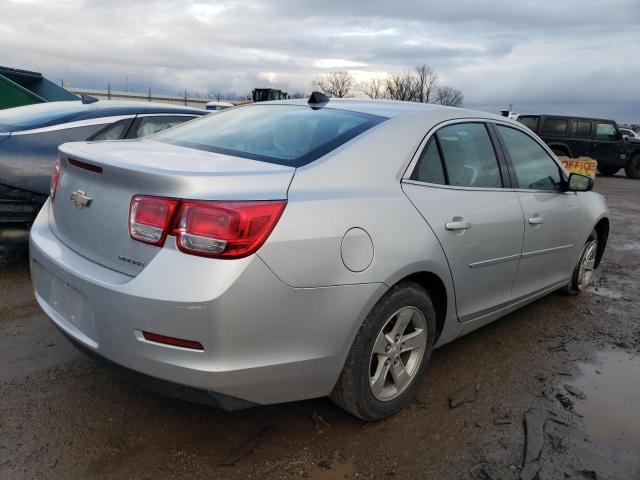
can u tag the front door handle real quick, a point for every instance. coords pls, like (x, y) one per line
(457, 224)
(536, 220)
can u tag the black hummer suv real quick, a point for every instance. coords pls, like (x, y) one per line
(589, 137)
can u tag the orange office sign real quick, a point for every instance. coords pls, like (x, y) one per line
(582, 166)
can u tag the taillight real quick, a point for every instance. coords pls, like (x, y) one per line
(150, 218)
(53, 186)
(219, 229)
(225, 229)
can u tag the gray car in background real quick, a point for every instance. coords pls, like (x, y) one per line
(30, 137)
(290, 250)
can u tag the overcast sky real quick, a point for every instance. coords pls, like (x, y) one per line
(555, 56)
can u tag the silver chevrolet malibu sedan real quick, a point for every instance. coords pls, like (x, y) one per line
(290, 250)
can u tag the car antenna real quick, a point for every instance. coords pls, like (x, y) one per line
(86, 99)
(317, 97)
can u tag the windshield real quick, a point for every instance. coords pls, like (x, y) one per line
(291, 135)
(40, 115)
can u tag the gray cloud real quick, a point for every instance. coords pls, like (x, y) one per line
(573, 56)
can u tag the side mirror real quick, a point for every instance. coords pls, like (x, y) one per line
(580, 183)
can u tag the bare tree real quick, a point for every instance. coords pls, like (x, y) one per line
(335, 84)
(451, 97)
(298, 95)
(400, 86)
(426, 84)
(374, 88)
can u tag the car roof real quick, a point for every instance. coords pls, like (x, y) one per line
(392, 108)
(47, 114)
(109, 107)
(144, 107)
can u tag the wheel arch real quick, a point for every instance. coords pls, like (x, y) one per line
(433, 284)
(602, 230)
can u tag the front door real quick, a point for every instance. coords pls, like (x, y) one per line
(457, 187)
(606, 144)
(551, 216)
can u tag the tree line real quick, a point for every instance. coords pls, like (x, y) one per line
(418, 85)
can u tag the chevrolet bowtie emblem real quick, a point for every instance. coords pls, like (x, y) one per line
(80, 199)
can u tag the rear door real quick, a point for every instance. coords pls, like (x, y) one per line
(551, 215)
(458, 187)
(581, 131)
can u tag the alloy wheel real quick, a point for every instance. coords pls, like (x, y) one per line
(397, 353)
(587, 265)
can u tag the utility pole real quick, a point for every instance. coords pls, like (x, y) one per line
(149, 93)
(185, 98)
(108, 91)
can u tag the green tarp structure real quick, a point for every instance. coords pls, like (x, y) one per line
(22, 87)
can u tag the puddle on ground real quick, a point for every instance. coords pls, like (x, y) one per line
(341, 471)
(611, 408)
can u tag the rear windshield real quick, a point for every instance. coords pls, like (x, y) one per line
(40, 115)
(531, 122)
(291, 135)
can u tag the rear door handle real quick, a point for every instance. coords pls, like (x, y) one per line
(536, 220)
(457, 224)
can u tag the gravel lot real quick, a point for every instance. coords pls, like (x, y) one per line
(560, 379)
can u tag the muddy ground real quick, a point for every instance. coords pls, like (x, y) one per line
(64, 417)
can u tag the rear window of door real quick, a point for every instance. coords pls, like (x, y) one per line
(555, 126)
(582, 128)
(149, 125)
(533, 166)
(429, 168)
(469, 157)
(605, 131)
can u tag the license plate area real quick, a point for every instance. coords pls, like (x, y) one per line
(73, 312)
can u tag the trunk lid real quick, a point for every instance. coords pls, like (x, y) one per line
(99, 231)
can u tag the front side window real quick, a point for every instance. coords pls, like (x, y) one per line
(605, 131)
(534, 168)
(429, 168)
(555, 126)
(469, 158)
(293, 135)
(582, 128)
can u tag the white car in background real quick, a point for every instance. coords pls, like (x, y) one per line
(218, 105)
(628, 133)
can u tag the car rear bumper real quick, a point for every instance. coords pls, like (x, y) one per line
(164, 387)
(264, 342)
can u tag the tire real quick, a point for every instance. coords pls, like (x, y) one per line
(608, 171)
(633, 167)
(356, 391)
(581, 278)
